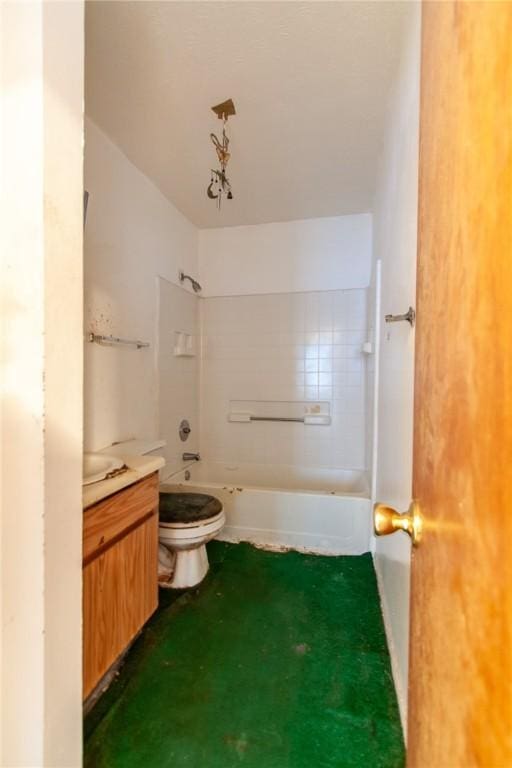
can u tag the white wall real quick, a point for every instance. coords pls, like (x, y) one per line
(307, 255)
(178, 376)
(283, 319)
(285, 347)
(41, 47)
(395, 234)
(133, 234)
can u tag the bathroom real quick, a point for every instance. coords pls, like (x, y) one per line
(260, 316)
(230, 361)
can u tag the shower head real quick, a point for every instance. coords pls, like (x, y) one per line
(195, 285)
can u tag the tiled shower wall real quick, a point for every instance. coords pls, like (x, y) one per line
(294, 346)
(178, 377)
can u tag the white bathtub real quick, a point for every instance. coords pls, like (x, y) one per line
(316, 510)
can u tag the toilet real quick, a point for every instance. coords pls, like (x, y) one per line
(187, 521)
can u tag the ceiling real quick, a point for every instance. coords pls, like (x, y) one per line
(310, 82)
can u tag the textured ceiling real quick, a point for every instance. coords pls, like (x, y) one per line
(310, 82)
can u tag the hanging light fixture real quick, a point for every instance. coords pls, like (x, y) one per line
(219, 183)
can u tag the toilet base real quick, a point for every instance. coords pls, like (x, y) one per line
(190, 568)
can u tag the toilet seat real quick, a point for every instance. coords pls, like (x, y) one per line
(188, 510)
(169, 532)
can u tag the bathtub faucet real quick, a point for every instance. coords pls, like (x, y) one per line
(191, 457)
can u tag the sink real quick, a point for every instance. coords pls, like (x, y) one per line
(97, 466)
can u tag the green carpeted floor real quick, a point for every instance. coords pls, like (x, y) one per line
(275, 661)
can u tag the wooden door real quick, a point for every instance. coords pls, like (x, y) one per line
(460, 697)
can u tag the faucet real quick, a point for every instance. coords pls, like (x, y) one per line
(191, 457)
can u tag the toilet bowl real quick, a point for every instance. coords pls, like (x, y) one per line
(187, 521)
(184, 526)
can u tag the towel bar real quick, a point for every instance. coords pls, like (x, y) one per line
(111, 341)
(409, 317)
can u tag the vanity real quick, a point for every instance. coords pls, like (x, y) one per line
(120, 563)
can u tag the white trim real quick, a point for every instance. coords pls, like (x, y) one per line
(393, 654)
(376, 377)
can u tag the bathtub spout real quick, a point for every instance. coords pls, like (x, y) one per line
(191, 457)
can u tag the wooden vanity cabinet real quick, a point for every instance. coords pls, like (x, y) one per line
(120, 574)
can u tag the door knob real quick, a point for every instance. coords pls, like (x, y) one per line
(387, 520)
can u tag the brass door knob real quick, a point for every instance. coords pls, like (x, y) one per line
(387, 520)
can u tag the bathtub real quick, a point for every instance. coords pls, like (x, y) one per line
(315, 510)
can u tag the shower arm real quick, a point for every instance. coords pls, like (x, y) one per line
(195, 285)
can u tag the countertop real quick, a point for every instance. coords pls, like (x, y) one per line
(138, 467)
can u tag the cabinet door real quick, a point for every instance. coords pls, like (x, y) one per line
(120, 589)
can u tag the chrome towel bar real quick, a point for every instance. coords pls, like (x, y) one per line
(111, 341)
(319, 419)
(409, 317)
(276, 418)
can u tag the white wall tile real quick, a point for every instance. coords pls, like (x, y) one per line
(302, 346)
(178, 394)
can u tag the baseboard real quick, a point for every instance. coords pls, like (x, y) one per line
(395, 669)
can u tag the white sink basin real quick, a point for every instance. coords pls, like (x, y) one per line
(97, 466)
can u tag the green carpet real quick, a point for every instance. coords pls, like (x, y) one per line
(275, 661)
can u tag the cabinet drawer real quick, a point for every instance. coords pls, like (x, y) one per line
(110, 519)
